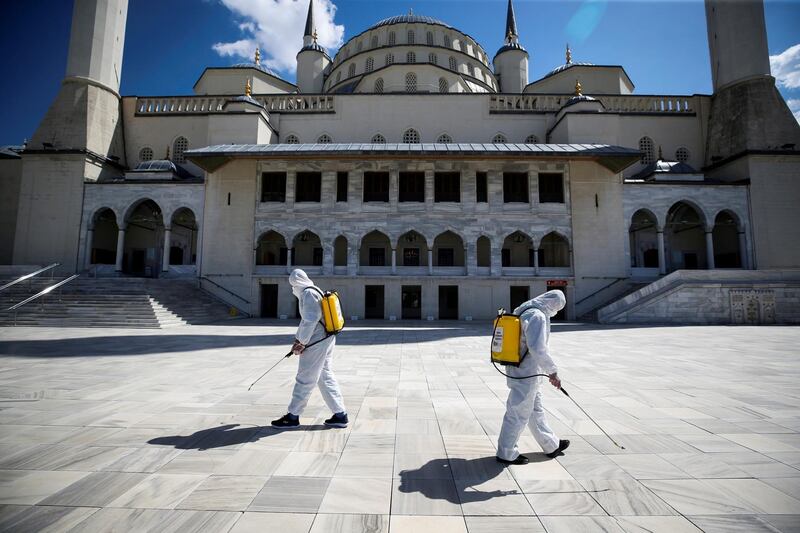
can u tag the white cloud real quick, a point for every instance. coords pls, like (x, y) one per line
(277, 27)
(794, 107)
(786, 67)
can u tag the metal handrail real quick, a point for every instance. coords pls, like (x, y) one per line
(42, 293)
(201, 278)
(28, 276)
(617, 280)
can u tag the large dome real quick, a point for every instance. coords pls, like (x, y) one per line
(408, 19)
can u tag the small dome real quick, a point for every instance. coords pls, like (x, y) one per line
(156, 165)
(565, 66)
(510, 46)
(256, 66)
(408, 19)
(314, 46)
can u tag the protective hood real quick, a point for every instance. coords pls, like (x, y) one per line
(299, 281)
(548, 303)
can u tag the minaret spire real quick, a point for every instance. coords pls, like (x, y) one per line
(309, 20)
(511, 24)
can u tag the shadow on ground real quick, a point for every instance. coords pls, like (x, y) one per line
(227, 435)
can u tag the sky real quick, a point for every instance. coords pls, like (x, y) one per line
(661, 44)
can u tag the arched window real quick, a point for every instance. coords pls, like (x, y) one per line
(292, 139)
(432, 58)
(430, 38)
(351, 70)
(682, 154)
(378, 139)
(444, 139)
(146, 154)
(410, 37)
(531, 139)
(374, 41)
(411, 82)
(646, 148)
(391, 38)
(324, 139)
(379, 85)
(463, 46)
(452, 63)
(411, 57)
(369, 65)
(411, 136)
(338, 76)
(443, 85)
(447, 42)
(553, 251)
(471, 70)
(499, 139)
(360, 46)
(180, 145)
(389, 59)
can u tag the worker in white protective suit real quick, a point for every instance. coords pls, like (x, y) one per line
(315, 362)
(524, 405)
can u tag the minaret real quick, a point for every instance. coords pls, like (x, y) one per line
(511, 61)
(312, 60)
(80, 139)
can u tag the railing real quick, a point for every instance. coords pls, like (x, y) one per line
(632, 103)
(282, 103)
(44, 292)
(214, 283)
(601, 289)
(31, 275)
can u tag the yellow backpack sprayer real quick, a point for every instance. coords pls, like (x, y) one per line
(507, 350)
(332, 321)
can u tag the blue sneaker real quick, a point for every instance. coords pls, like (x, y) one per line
(338, 420)
(287, 421)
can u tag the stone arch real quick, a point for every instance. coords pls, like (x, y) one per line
(412, 248)
(271, 248)
(306, 249)
(183, 236)
(370, 247)
(684, 236)
(143, 247)
(554, 250)
(135, 205)
(104, 234)
(728, 240)
(517, 250)
(643, 235)
(448, 249)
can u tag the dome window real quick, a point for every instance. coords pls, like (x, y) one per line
(411, 136)
(646, 148)
(392, 38)
(452, 63)
(180, 145)
(410, 37)
(444, 87)
(292, 139)
(531, 139)
(378, 139)
(389, 59)
(379, 85)
(351, 70)
(374, 41)
(324, 139)
(338, 76)
(444, 139)
(447, 42)
(360, 46)
(369, 65)
(433, 59)
(499, 139)
(430, 38)
(682, 154)
(411, 82)
(411, 57)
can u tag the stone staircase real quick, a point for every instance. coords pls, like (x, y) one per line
(113, 302)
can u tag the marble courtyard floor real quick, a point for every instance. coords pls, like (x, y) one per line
(132, 430)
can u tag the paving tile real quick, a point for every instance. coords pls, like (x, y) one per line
(42, 518)
(698, 497)
(581, 524)
(310, 464)
(656, 524)
(620, 497)
(492, 497)
(351, 523)
(33, 486)
(564, 504)
(358, 496)
(425, 497)
(366, 465)
(291, 495)
(159, 491)
(731, 524)
(427, 524)
(261, 522)
(647, 466)
(224, 493)
(251, 462)
(503, 524)
(95, 490)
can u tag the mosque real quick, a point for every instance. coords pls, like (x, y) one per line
(422, 177)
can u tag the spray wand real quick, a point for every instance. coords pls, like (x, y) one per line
(282, 358)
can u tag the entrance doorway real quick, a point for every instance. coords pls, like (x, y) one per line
(556, 286)
(448, 302)
(269, 301)
(373, 301)
(411, 300)
(519, 294)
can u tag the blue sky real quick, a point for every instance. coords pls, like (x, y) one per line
(168, 43)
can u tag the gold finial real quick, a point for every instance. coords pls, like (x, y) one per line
(660, 155)
(247, 88)
(258, 56)
(167, 156)
(314, 35)
(578, 88)
(569, 55)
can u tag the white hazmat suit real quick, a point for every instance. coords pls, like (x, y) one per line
(524, 405)
(314, 366)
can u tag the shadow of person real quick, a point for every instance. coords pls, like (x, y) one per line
(454, 480)
(227, 435)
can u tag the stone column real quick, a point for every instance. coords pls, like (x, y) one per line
(120, 247)
(662, 265)
(470, 260)
(165, 258)
(327, 259)
(394, 261)
(352, 259)
(709, 249)
(89, 244)
(495, 260)
(289, 251)
(743, 251)
(430, 261)
(535, 261)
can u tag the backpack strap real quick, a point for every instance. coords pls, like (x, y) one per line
(322, 294)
